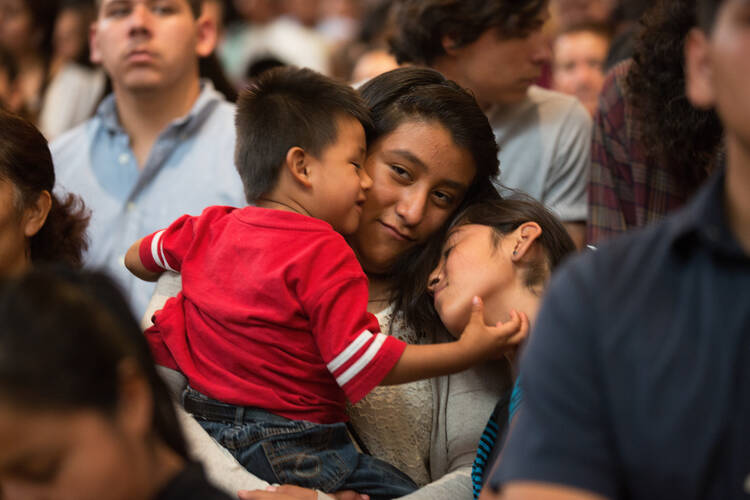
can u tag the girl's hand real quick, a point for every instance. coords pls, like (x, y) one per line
(483, 342)
(288, 492)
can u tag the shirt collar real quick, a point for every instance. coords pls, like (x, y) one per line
(207, 99)
(703, 221)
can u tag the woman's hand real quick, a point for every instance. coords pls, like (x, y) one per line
(489, 342)
(288, 492)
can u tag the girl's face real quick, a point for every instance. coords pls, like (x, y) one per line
(76, 455)
(420, 176)
(472, 264)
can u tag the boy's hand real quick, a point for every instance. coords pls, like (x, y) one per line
(289, 492)
(483, 342)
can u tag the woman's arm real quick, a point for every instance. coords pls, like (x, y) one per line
(463, 403)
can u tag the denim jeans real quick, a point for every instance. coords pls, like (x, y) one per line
(284, 451)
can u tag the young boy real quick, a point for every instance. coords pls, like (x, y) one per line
(271, 328)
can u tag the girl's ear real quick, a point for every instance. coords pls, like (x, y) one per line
(35, 215)
(298, 163)
(522, 238)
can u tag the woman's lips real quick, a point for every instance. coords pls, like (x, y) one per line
(396, 233)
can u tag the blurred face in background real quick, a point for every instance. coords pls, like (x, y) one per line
(578, 67)
(17, 32)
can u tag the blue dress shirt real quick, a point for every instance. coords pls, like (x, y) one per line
(190, 166)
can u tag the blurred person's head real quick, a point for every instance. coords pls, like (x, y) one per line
(144, 46)
(495, 48)
(71, 32)
(27, 26)
(578, 60)
(257, 11)
(35, 225)
(371, 64)
(11, 99)
(83, 412)
(687, 140)
(718, 68)
(306, 12)
(569, 13)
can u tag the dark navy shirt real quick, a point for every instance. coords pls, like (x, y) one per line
(636, 378)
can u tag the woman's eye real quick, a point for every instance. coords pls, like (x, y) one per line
(356, 165)
(443, 198)
(400, 171)
(164, 8)
(447, 252)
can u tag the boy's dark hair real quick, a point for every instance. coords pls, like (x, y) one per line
(706, 11)
(64, 338)
(196, 6)
(283, 108)
(421, 25)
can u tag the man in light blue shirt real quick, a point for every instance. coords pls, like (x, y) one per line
(161, 145)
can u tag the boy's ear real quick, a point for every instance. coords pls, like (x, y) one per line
(449, 44)
(522, 238)
(298, 164)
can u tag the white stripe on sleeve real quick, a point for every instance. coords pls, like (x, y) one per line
(363, 361)
(155, 251)
(350, 351)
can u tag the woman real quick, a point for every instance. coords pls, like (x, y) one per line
(72, 358)
(432, 151)
(55, 96)
(35, 225)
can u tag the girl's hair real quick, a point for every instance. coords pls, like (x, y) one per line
(421, 94)
(688, 141)
(503, 216)
(25, 162)
(64, 338)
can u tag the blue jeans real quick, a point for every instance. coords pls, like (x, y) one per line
(284, 451)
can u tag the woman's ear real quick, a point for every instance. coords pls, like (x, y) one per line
(522, 239)
(35, 214)
(135, 407)
(298, 164)
(698, 70)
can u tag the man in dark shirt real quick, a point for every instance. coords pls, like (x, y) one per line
(637, 377)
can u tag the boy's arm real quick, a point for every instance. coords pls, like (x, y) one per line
(478, 343)
(135, 265)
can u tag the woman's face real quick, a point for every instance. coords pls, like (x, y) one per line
(16, 26)
(420, 176)
(79, 455)
(13, 242)
(471, 264)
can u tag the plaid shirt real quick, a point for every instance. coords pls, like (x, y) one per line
(626, 190)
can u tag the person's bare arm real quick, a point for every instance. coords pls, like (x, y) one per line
(538, 491)
(478, 343)
(135, 266)
(577, 232)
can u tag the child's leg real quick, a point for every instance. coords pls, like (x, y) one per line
(378, 479)
(276, 449)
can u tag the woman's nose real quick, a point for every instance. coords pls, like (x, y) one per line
(411, 208)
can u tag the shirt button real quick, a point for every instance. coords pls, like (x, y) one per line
(131, 206)
(124, 158)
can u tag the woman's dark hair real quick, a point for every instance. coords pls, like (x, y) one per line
(64, 338)
(25, 162)
(421, 25)
(684, 139)
(44, 15)
(707, 10)
(504, 216)
(422, 94)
